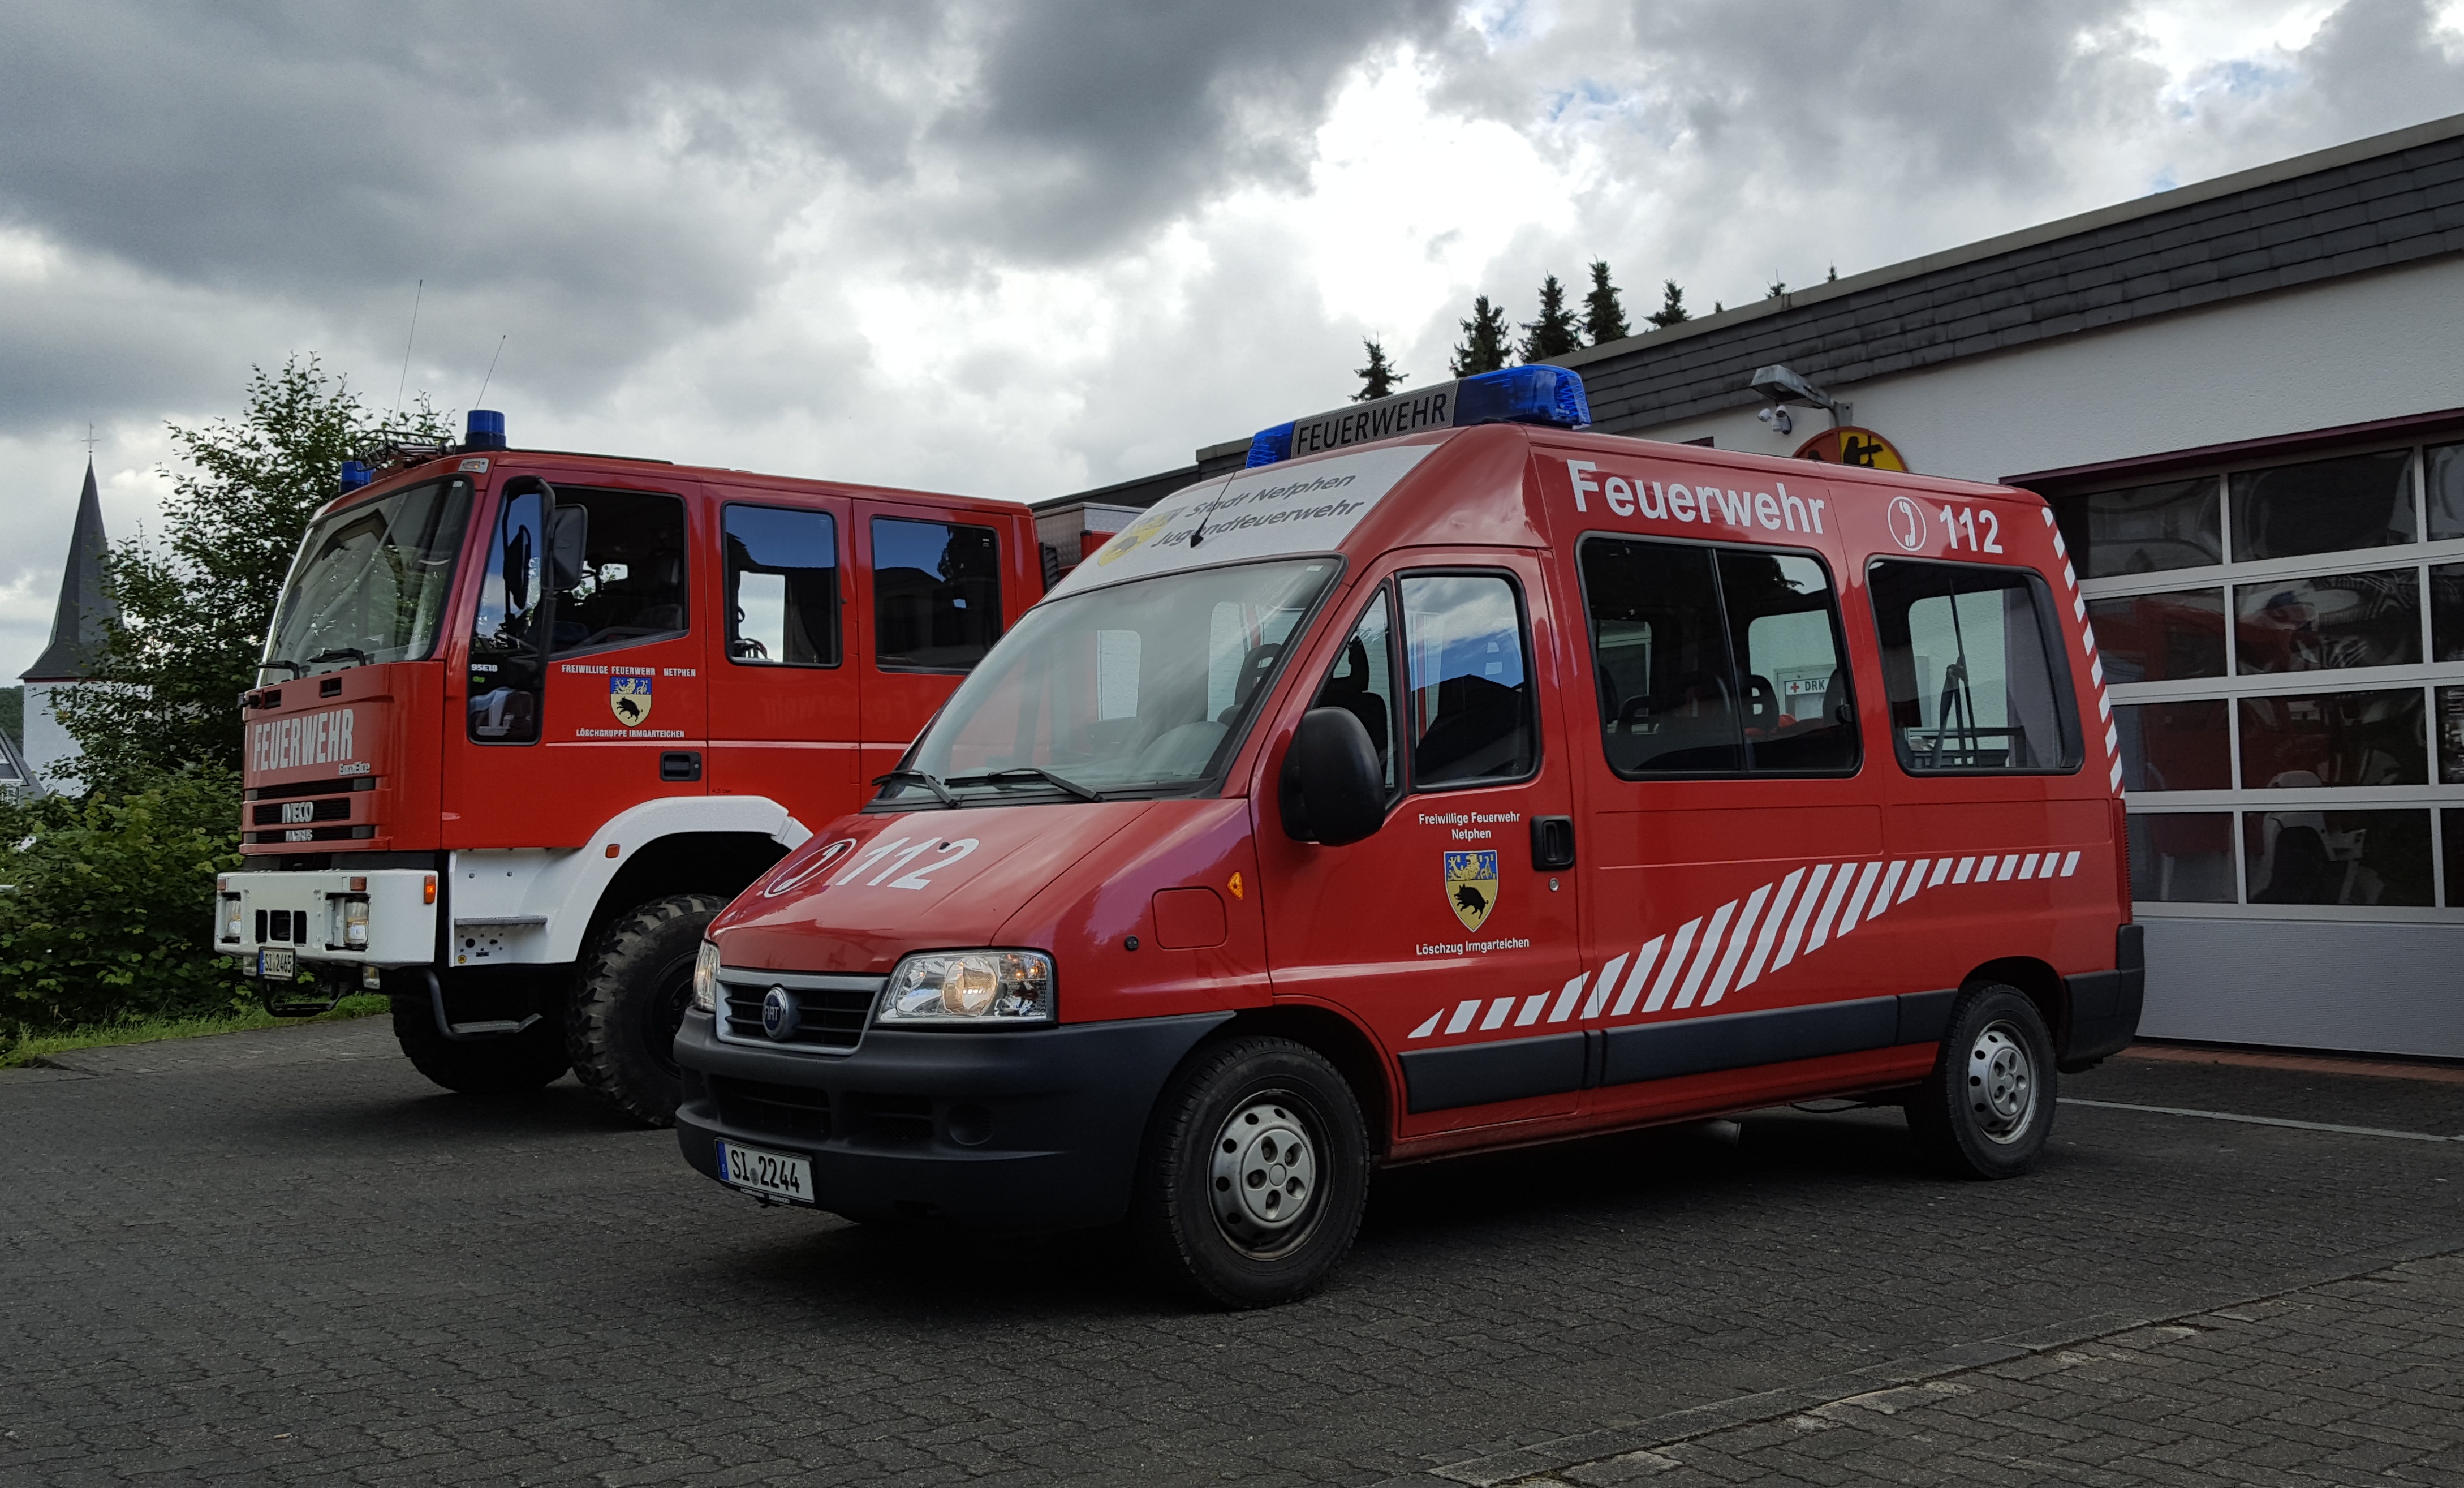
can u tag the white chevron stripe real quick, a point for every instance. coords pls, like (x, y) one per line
(1574, 988)
(1702, 966)
(1916, 879)
(1737, 942)
(1941, 871)
(1857, 901)
(2079, 608)
(1840, 884)
(2087, 634)
(2027, 867)
(2103, 703)
(1531, 1007)
(1882, 891)
(2117, 776)
(1804, 908)
(1430, 1027)
(1497, 1011)
(1643, 961)
(2070, 575)
(1771, 930)
(1462, 1016)
(2096, 669)
(2070, 865)
(1675, 963)
(1965, 864)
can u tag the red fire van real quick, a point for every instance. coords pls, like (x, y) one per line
(528, 718)
(1472, 783)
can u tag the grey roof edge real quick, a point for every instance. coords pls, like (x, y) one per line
(2328, 159)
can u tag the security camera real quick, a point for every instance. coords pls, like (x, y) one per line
(1777, 418)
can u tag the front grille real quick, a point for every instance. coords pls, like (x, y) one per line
(830, 1011)
(759, 1106)
(301, 788)
(360, 832)
(893, 1120)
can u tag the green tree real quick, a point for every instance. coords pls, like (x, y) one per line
(1554, 334)
(1603, 314)
(1484, 347)
(1672, 309)
(1379, 379)
(195, 605)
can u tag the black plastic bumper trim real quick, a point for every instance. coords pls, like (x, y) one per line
(2105, 1005)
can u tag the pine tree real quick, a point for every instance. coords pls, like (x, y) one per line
(1379, 379)
(1603, 315)
(1672, 309)
(1483, 349)
(1554, 334)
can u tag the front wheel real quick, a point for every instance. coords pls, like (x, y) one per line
(620, 1027)
(1254, 1175)
(1988, 1107)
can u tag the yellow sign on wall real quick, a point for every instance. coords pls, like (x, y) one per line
(1850, 444)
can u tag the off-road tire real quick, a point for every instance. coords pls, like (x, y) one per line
(1186, 1172)
(621, 1026)
(1988, 1107)
(499, 1065)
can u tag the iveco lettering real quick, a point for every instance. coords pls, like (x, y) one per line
(1483, 784)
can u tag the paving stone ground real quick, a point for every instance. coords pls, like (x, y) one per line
(282, 1256)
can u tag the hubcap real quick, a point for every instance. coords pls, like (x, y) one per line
(2001, 1083)
(1264, 1176)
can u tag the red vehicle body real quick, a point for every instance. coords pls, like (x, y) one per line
(1685, 883)
(529, 718)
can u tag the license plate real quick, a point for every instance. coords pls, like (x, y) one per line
(775, 1174)
(277, 962)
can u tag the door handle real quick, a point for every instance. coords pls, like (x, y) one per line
(1553, 843)
(680, 765)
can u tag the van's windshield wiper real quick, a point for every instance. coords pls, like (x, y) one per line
(1030, 773)
(341, 653)
(916, 777)
(296, 668)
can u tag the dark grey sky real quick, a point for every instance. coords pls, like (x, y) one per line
(1020, 249)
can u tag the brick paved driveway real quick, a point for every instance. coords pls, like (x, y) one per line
(283, 1255)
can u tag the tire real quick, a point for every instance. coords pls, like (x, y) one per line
(495, 1066)
(1204, 1213)
(621, 1026)
(1988, 1107)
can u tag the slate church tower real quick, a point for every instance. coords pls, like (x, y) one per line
(79, 627)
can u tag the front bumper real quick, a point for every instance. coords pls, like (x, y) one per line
(1022, 1128)
(308, 905)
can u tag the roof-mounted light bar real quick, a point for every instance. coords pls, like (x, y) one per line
(1539, 394)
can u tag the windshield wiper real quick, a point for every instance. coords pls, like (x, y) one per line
(1031, 772)
(296, 668)
(341, 653)
(925, 778)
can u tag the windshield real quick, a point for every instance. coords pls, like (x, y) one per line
(1137, 687)
(370, 582)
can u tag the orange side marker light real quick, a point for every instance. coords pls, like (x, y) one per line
(1235, 885)
(428, 890)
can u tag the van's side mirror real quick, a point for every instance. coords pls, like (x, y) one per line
(1333, 790)
(568, 543)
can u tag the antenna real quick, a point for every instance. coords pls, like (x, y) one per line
(491, 372)
(405, 380)
(90, 441)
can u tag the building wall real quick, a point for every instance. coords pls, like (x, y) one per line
(48, 745)
(2341, 352)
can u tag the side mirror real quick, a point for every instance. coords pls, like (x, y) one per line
(1333, 791)
(568, 542)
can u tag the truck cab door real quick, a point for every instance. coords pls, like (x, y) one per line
(928, 597)
(1451, 933)
(783, 699)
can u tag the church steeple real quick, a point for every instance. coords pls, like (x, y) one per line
(79, 625)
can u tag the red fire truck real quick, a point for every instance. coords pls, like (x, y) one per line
(527, 720)
(1449, 780)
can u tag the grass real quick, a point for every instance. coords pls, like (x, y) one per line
(146, 1030)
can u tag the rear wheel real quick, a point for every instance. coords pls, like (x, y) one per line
(620, 1027)
(1988, 1107)
(495, 1065)
(1255, 1172)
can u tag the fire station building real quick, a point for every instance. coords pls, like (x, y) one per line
(2245, 400)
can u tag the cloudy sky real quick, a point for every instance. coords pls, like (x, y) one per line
(1021, 249)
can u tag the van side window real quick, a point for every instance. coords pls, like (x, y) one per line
(1717, 660)
(936, 595)
(782, 587)
(632, 584)
(1362, 683)
(1470, 712)
(1793, 683)
(1970, 657)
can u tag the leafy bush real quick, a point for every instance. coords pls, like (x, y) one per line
(108, 903)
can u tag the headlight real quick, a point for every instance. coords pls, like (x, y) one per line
(706, 978)
(355, 923)
(231, 917)
(970, 986)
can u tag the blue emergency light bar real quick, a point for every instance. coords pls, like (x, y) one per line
(1538, 395)
(483, 429)
(355, 474)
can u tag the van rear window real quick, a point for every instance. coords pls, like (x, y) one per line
(1972, 659)
(1717, 660)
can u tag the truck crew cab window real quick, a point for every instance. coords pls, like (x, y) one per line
(936, 595)
(507, 673)
(782, 587)
(1970, 658)
(1468, 712)
(1362, 683)
(632, 582)
(1717, 660)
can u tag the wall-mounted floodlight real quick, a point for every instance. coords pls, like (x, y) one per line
(1779, 387)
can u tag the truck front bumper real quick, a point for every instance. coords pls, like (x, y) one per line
(1022, 1128)
(305, 912)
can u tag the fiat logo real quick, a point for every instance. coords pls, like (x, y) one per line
(779, 1014)
(1907, 523)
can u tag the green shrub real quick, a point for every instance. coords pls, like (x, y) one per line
(109, 902)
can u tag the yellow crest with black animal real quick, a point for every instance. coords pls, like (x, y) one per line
(1471, 886)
